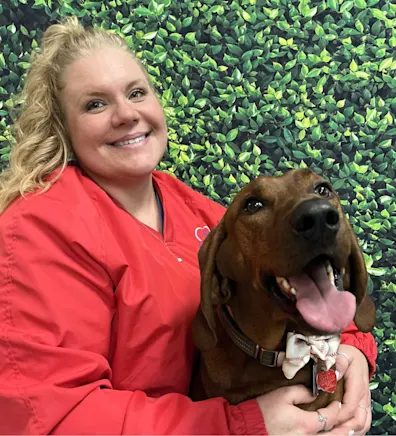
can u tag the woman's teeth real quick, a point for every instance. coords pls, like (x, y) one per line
(130, 141)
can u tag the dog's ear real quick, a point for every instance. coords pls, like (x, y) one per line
(214, 289)
(365, 309)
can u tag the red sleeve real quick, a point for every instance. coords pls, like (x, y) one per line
(363, 341)
(56, 309)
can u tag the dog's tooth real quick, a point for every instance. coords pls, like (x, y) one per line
(280, 280)
(293, 291)
(283, 284)
(331, 277)
(330, 272)
(342, 272)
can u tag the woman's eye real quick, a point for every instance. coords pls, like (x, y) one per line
(92, 105)
(137, 93)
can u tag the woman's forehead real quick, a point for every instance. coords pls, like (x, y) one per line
(103, 69)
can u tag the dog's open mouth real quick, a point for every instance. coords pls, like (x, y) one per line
(317, 294)
(333, 274)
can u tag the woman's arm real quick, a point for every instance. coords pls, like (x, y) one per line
(56, 309)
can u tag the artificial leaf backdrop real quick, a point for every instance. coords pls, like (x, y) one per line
(258, 87)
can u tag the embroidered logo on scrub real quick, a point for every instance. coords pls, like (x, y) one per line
(201, 233)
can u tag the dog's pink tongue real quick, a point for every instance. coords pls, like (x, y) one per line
(320, 303)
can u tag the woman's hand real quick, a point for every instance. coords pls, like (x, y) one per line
(355, 414)
(283, 417)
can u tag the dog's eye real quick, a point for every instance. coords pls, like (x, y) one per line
(323, 190)
(252, 205)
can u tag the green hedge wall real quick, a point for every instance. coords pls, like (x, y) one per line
(257, 87)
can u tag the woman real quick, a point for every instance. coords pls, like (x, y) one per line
(99, 279)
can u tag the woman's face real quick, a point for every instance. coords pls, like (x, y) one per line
(116, 123)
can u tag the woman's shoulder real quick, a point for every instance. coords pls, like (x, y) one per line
(70, 191)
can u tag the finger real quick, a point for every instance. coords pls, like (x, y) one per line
(298, 394)
(344, 430)
(323, 419)
(367, 424)
(365, 406)
(342, 364)
(358, 423)
(351, 400)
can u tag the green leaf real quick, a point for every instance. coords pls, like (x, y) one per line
(187, 22)
(288, 135)
(235, 49)
(247, 67)
(377, 272)
(245, 178)
(380, 53)
(217, 9)
(160, 57)
(126, 29)
(24, 65)
(230, 180)
(340, 183)
(229, 151)
(289, 65)
(346, 6)
(143, 12)
(299, 154)
(246, 16)
(232, 134)
(200, 102)
(385, 64)
(24, 30)
(316, 133)
(333, 4)
(149, 35)
(359, 26)
(244, 156)
(186, 83)
(182, 100)
(309, 13)
(353, 65)
(361, 4)
(387, 143)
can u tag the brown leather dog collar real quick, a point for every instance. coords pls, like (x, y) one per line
(265, 357)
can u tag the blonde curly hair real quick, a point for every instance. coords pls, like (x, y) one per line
(42, 142)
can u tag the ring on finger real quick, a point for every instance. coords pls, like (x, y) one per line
(367, 409)
(322, 419)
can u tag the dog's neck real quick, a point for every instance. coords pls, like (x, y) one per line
(269, 332)
(265, 357)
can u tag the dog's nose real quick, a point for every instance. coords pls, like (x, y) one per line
(316, 220)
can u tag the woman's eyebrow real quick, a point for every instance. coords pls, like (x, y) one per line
(100, 93)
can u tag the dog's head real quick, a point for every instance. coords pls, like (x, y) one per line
(284, 247)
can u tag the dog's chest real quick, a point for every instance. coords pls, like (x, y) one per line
(228, 372)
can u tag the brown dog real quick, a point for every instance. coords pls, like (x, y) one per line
(266, 272)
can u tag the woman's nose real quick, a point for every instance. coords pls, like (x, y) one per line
(125, 112)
